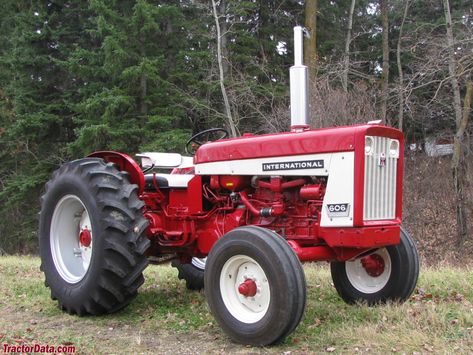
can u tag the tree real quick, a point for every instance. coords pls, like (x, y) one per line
(346, 57)
(228, 111)
(40, 95)
(461, 122)
(399, 68)
(310, 44)
(384, 5)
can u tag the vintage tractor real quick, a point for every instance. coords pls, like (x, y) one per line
(247, 210)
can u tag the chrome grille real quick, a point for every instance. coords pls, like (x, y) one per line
(380, 179)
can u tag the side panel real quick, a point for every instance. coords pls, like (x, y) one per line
(186, 200)
(295, 165)
(337, 209)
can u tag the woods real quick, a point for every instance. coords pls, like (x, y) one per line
(134, 76)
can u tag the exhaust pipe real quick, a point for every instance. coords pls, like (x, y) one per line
(299, 82)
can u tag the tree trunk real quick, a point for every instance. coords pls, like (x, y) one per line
(310, 44)
(228, 112)
(385, 76)
(452, 65)
(143, 94)
(222, 9)
(143, 105)
(399, 68)
(460, 168)
(346, 57)
(461, 120)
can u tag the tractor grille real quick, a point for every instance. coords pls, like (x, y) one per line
(380, 180)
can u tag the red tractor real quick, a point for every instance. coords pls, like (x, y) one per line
(247, 210)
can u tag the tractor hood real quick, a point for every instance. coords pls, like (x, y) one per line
(325, 140)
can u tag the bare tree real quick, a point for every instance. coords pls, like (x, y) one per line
(385, 76)
(228, 111)
(335, 107)
(310, 44)
(452, 63)
(459, 167)
(346, 57)
(222, 10)
(399, 68)
(461, 122)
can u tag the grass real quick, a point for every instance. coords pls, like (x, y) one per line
(166, 318)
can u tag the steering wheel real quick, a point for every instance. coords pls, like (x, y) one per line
(197, 139)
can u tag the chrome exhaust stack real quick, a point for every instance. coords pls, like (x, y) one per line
(299, 83)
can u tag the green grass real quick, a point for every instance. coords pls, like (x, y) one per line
(166, 318)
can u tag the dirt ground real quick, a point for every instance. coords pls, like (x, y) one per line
(115, 339)
(166, 318)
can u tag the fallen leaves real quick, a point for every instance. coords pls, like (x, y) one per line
(428, 348)
(317, 323)
(421, 295)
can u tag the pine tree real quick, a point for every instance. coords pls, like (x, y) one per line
(39, 94)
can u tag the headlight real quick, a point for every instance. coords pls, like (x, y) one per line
(369, 145)
(394, 148)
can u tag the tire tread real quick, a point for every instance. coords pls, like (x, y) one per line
(116, 278)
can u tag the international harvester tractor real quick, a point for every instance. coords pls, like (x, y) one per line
(247, 210)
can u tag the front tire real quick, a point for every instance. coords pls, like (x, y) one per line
(255, 286)
(388, 274)
(91, 237)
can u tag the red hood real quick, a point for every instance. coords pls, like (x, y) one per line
(325, 140)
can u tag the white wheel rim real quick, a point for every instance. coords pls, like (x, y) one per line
(236, 271)
(71, 258)
(362, 281)
(199, 262)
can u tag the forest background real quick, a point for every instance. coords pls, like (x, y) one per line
(80, 76)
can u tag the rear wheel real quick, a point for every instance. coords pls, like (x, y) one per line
(91, 237)
(255, 286)
(192, 273)
(388, 274)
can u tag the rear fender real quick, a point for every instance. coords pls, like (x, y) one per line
(124, 163)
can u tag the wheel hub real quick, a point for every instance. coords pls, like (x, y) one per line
(248, 288)
(245, 289)
(373, 264)
(71, 238)
(85, 237)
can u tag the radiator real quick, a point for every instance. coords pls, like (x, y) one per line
(381, 158)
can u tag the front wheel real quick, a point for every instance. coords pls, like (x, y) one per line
(255, 286)
(388, 274)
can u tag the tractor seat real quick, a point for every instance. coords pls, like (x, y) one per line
(167, 181)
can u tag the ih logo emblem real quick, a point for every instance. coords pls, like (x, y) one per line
(382, 160)
(338, 210)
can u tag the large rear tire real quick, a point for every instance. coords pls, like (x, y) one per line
(388, 274)
(255, 286)
(91, 237)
